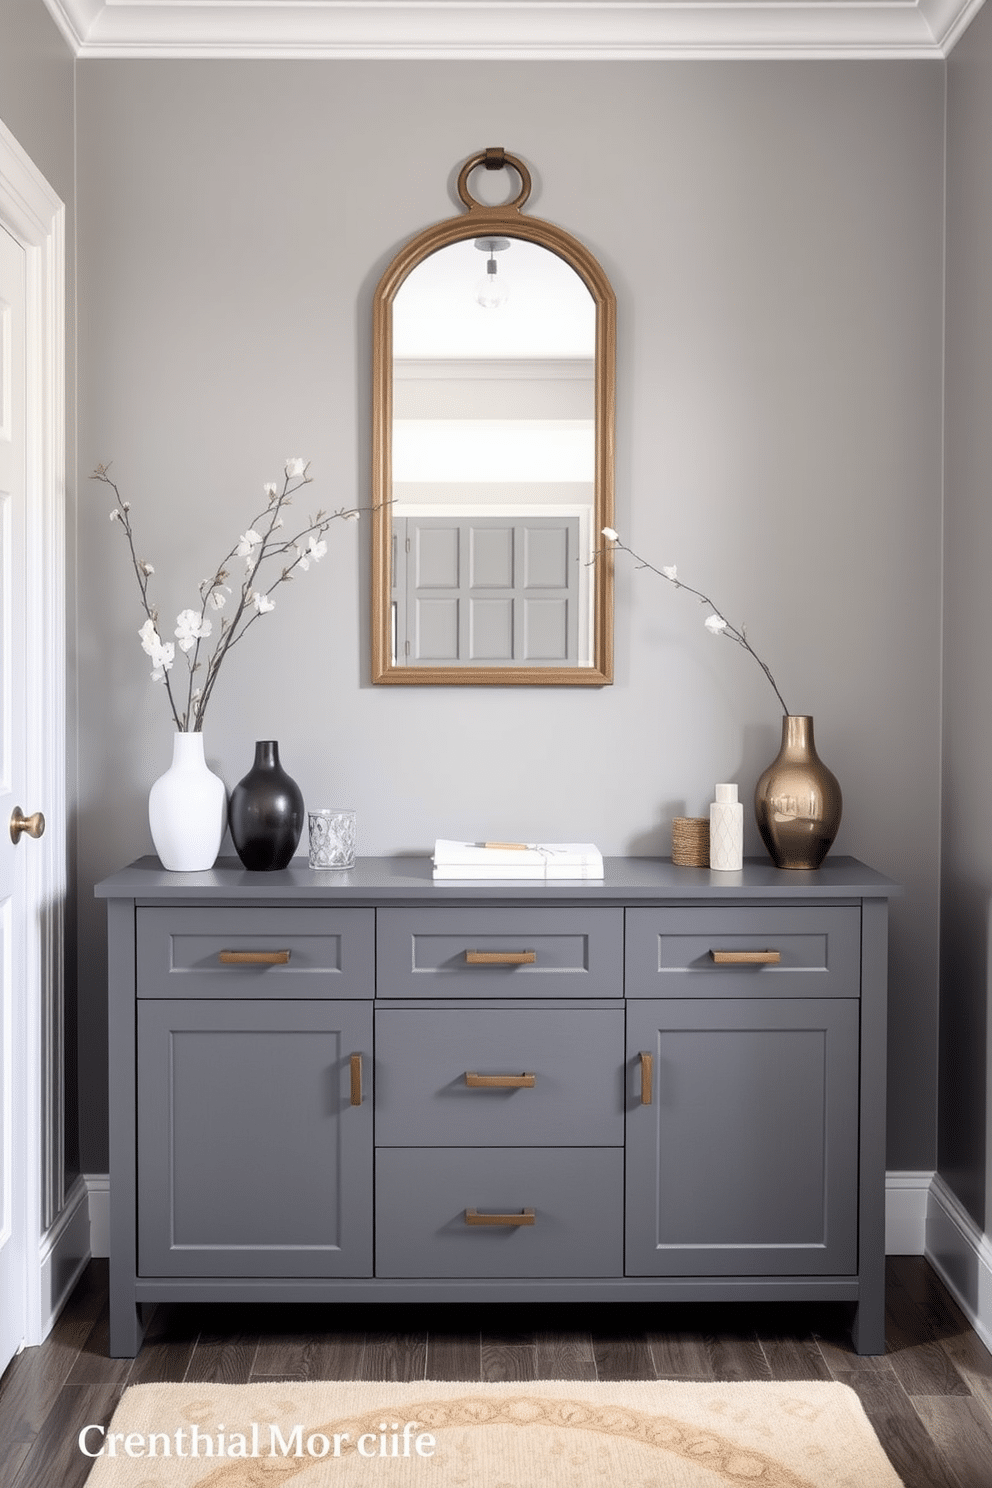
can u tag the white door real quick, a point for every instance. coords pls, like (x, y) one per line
(39, 1236)
(13, 1316)
(14, 1140)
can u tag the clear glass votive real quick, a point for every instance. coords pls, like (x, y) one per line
(333, 833)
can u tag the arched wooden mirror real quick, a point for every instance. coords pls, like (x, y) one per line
(492, 452)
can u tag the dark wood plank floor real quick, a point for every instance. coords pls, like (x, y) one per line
(929, 1397)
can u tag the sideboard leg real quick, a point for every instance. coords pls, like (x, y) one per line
(127, 1326)
(868, 1332)
(869, 1321)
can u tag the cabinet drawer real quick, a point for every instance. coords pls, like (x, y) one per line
(424, 1199)
(495, 953)
(271, 953)
(571, 1061)
(759, 952)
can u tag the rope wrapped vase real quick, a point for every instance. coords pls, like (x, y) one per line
(691, 841)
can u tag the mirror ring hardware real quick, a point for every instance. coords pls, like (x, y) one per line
(494, 158)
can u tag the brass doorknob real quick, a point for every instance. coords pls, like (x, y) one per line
(34, 824)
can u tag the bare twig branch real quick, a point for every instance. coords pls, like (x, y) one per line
(724, 626)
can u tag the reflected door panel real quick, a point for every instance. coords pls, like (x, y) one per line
(476, 591)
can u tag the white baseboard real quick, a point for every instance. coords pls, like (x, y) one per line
(98, 1188)
(905, 1212)
(962, 1257)
(62, 1254)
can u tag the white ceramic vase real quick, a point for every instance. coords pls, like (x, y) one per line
(187, 809)
(726, 830)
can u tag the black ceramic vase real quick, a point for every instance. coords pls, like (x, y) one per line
(266, 812)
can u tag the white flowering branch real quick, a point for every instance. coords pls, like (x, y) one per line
(259, 544)
(716, 622)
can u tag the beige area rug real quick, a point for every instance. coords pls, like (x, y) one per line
(544, 1434)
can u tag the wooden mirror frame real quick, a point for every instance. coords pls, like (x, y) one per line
(484, 221)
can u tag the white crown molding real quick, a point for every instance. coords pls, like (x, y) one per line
(568, 30)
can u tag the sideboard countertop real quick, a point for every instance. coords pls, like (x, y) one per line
(408, 879)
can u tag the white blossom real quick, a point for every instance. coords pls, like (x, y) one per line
(611, 533)
(295, 467)
(315, 552)
(263, 603)
(162, 654)
(670, 571)
(114, 514)
(163, 662)
(715, 624)
(217, 598)
(271, 489)
(151, 641)
(191, 627)
(146, 568)
(246, 542)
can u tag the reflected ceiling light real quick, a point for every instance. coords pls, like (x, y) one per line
(492, 291)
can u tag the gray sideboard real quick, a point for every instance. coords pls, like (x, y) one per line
(668, 1085)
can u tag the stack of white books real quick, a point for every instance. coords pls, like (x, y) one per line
(515, 860)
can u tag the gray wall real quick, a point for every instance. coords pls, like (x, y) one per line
(37, 105)
(774, 236)
(36, 92)
(966, 931)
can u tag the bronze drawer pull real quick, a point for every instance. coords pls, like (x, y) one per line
(473, 1217)
(356, 1079)
(746, 958)
(500, 958)
(254, 958)
(647, 1078)
(499, 1082)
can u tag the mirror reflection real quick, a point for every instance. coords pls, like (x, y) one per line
(493, 458)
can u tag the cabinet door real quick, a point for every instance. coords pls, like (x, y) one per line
(742, 1137)
(252, 1159)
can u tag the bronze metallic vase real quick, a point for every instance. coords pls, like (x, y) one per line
(797, 801)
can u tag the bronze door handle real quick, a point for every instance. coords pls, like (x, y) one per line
(499, 1082)
(647, 1078)
(473, 1217)
(746, 958)
(500, 958)
(254, 958)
